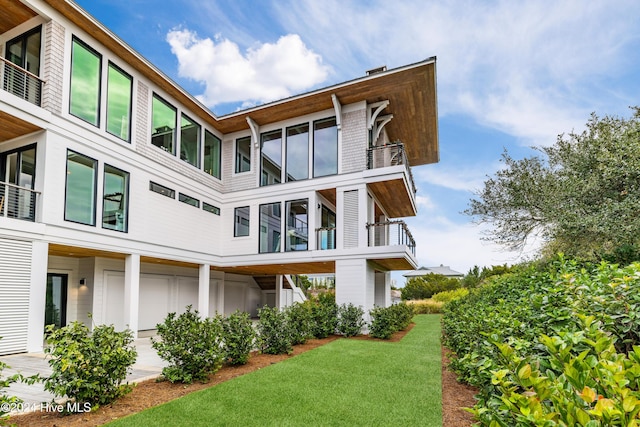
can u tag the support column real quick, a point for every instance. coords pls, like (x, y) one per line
(279, 292)
(220, 302)
(355, 284)
(132, 292)
(37, 296)
(203, 289)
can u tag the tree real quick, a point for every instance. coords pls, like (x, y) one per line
(581, 195)
(424, 287)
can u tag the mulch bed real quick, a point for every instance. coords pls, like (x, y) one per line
(152, 393)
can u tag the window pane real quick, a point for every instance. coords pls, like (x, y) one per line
(270, 225)
(164, 125)
(297, 226)
(85, 83)
(271, 157)
(325, 147)
(80, 190)
(210, 208)
(211, 154)
(297, 163)
(119, 103)
(189, 200)
(115, 202)
(161, 189)
(243, 154)
(190, 141)
(241, 222)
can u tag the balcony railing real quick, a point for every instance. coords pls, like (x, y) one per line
(17, 202)
(391, 233)
(325, 238)
(20, 82)
(389, 155)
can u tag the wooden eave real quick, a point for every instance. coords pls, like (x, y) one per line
(13, 127)
(393, 195)
(13, 14)
(411, 91)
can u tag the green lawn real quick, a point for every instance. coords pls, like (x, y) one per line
(344, 383)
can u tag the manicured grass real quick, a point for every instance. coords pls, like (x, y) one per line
(344, 383)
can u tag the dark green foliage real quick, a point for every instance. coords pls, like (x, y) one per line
(424, 287)
(475, 276)
(89, 367)
(514, 313)
(324, 312)
(274, 331)
(192, 345)
(385, 321)
(350, 320)
(300, 321)
(239, 337)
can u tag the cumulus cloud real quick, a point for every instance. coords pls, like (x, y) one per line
(262, 73)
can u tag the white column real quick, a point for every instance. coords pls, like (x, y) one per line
(279, 292)
(37, 296)
(132, 292)
(220, 302)
(203, 290)
(355, 284)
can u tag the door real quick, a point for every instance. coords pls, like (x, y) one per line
(24, 52)
(55, 309)
(20, 171)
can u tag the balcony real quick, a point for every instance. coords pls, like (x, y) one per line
(20, 82)
(390, 155)
(391, 233)
(325, 238)
(17, 202)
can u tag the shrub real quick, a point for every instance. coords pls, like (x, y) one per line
(192, 345)
(385, 321)
(324, 313)
(89, 367)
(6, 402)
(300, 321)
(274, 332)
(426, 306)
(424, 287)
(447, 296)
(239, 337)
(350, 321)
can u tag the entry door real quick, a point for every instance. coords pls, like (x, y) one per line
(55, 309)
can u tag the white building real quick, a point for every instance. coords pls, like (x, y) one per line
(122, 196)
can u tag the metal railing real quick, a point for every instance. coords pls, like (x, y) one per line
(390, 155)
(17, 202)
(20, 82)
(325, 238)
(390, 233)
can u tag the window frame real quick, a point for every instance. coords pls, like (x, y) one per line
(188, 200)
(337, 151)
(268, 229)
(238, 162)
(95, 189)
(75, 39)
(174, 131)
(125, 197)
(163, 190)
(287, 150)
(218, 164)
(198, 160)
(112, 65)
(208, 207)
(281, 166)
(236, 216)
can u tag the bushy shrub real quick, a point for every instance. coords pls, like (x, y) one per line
(447, 296)
(350, 320)
(426, 306)
(424, 287)
(192, 345)
(89, 367)
(274, 332)
(239, 337)
(385, 321)
(300, 321)
(324, 313)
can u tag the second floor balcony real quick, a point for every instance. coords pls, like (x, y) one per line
(20, 82)
(391, 233)
(17, 202)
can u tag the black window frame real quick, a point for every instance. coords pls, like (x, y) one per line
(163, 190)
(106, 127)
(75, 38)
(189, 200)
(208, 207)
(126, 197)
(235, 221)
(95, 188)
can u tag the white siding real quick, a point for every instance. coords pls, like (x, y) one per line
(15, 284)
(351, 219)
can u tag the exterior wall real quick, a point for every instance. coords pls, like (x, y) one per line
(355, 284)
(54, 36)
(354, 140)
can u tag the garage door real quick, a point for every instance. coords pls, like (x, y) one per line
(15, 283)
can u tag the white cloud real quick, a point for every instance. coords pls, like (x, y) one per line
(470, 178)
(263, 73)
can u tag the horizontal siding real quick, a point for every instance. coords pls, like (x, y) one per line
(15, 280)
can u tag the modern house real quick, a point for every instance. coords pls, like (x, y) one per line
(123, 198)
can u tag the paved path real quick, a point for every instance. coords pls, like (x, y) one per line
(148, 365)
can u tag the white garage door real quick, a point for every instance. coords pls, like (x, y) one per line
(15, 283)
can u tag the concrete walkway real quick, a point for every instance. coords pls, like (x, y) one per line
(148, 365)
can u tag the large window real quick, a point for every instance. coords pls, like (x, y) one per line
(163, 125)
(115, 201)
(271, 157)
(297, 226)
(18, 168)
(24, 51)
(84, 99)
(212, 156)
(297, 149)
(80, 189)
(241, 221)
(119, 88)
(190, 141)
(270, 226)
(243, 154)
(325, 147)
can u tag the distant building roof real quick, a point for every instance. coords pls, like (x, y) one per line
(442, 269)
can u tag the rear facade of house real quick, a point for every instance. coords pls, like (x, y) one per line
(122, 198)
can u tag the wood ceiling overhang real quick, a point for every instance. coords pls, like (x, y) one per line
(411, 91)
(13, 14)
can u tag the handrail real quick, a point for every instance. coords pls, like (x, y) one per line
(20, 82)
(17, 202)
(19, 68)
(383, 237)
(392, 154)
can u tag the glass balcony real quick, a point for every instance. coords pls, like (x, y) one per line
(391, 233)
(325, 238)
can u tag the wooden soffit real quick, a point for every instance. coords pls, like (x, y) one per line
(393, 196)
(13, 127)
(320, 267)
(13, 13)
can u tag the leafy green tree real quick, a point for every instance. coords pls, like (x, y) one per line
(580, 195)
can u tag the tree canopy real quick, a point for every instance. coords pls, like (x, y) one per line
(581, 195)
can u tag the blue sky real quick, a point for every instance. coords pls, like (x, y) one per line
(511, 75)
